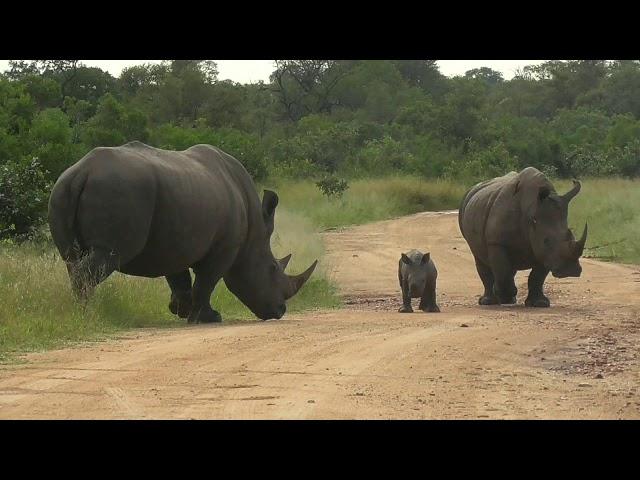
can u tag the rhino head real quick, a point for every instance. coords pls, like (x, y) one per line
(415, 272)
(552, 242)
(258, 278)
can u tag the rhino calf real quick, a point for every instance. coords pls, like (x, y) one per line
(417, 275)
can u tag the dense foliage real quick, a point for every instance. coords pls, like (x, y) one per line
(320, 119)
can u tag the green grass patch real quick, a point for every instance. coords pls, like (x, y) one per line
(611, 206)
(37, 310)
(368, 200)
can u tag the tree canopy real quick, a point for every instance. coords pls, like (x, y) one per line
(318, 117)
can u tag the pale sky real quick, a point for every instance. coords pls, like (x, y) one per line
(251, 71)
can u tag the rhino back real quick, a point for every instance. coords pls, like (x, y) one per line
(495, 212)
(489, 213)
(162, 211)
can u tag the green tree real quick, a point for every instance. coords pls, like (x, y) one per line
(115, 124)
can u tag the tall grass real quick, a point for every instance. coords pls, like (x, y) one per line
(368, 200)
(37, 310)
(611, 206)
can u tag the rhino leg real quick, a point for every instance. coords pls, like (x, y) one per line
(89, 269)
(208, 273)
(536, 297)
(428, 300)
(180, 285)
(486, 275)
(201, 311)
(406, 299)
(504, 287)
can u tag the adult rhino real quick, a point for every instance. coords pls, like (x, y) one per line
(517, 222)
(149, 212)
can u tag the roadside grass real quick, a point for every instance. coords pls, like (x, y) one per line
(368, 200)
(37, 310)
(611, 206)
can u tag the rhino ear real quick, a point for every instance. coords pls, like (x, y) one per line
(517, 187)
(406, 259)
(425, 258)
(269, 204)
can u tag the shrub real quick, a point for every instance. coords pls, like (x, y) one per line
(332, 186)
(23, 199)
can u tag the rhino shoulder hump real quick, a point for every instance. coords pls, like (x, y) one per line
(136, 144)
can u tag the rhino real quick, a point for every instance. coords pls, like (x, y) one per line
(149, 212)
(417, 275)
(519, 222)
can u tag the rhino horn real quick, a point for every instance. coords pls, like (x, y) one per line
(297, 281)
(573, 192)
(579, 245)
(284, 261)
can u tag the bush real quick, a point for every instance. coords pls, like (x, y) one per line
(482, 164)
(627, 159)
(115, 124)
(379, 157)
(245, 147)
(23, 199)
(332, 186)
(51, 142)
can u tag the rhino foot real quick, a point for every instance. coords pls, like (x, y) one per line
(205, 316)
(405, 309)
(180, 308)
(487, 300)
(508, 300)
(541, 302)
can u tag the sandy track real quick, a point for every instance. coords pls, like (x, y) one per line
(578, 359)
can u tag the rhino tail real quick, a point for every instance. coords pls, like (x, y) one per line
(62, 215)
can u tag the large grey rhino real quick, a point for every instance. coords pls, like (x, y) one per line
(517, 222)
(149, 212)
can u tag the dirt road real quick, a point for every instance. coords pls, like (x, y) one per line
(578, 359)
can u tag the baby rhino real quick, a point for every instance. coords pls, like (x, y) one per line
(417, 274)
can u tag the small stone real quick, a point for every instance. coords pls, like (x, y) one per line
(599, 375)
(584, 384)
(464, 325)
(311, 401)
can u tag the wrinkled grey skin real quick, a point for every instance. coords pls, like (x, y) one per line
(517, 222)
(417, 275)
(150, 212)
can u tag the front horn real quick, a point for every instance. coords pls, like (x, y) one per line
(580, 243)
(297, 281)
(573, 192)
